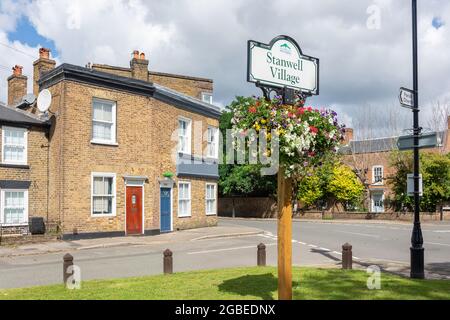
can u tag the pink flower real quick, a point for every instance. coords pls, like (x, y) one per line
(313, 129)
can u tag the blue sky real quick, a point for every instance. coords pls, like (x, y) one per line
(26, 34)
(361, 67)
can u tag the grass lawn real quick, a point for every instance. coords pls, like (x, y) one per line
(243, 283)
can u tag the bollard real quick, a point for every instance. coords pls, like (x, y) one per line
(261, 255)
(347, 259)
(168, 262)
(68, 262)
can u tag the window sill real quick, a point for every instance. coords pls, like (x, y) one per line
(103, 215)
(14, 165)
(211, 214)
(181, 217)
(24, 224)
(104, 143)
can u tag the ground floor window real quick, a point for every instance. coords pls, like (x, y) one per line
(184, 199)
(103, 194)
(377, 202)
(14, 207)
(211, 199)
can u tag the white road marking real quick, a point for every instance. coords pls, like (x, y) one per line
(336, 252)
(302, 243)
(441, 231)
(360, 234)
(312, 246)
(228, 249)
(324, 249)
(438, 244)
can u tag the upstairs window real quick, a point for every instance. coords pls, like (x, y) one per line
(14, 145)
(378, 174)
(104, 122)
(184, 135)
(207, 97)
(212, 143)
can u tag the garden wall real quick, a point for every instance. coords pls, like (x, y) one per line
(266, 207)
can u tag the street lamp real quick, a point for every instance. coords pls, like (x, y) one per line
(417, 250)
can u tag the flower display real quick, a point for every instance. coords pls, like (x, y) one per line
(305, 134)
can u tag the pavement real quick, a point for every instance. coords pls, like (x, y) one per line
(167, 238)
(231, 244)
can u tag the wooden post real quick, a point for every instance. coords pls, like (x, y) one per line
(284, 236)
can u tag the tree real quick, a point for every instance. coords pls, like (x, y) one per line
(245, 179)
(345, 186)
(435, 170)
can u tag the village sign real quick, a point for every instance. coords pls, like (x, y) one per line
(281, 64)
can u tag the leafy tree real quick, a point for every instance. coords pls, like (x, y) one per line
(345, 186)
(435, 170)
(245, 179)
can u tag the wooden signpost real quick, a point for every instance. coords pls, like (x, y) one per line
(281, 67)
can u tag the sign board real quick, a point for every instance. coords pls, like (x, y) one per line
(282, 64)
(426, 140)
(406, 97)
(410, 185)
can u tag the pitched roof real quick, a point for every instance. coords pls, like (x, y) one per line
(16, 116)
(86, 75)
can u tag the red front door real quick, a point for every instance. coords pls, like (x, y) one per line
(134, 210)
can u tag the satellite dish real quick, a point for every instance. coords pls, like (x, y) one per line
(29, 98)
(44, 100)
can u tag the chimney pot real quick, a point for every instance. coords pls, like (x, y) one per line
(348, 135)
(17, 70)
(142, 56)
(135, 54)
(448, 122)
(44, 53)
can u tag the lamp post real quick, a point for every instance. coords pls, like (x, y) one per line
(417, 250)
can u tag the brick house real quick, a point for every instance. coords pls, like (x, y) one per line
(100, 161)
(370, 159)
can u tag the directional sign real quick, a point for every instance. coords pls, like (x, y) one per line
(426, 140)
(410, 185)
(406, 97)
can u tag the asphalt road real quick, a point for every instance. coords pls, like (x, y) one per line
(314, 243)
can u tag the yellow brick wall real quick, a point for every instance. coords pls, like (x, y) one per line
(37, 152)
(144, 129)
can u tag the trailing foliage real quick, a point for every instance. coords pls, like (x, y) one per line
(305, 135)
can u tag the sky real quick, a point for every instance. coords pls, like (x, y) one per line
(364, 46)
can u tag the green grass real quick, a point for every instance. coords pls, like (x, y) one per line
(243, 283)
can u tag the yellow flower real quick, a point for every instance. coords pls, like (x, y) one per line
(263, 121)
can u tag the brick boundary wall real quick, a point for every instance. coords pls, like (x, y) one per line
(266, 207)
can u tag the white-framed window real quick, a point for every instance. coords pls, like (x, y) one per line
(207, 97)
(14, 207)
(184, 199)
(377, 174)
(103, 194)
(378, 202)
(212, 138)
(14, 145)
(211, 199)
(184, 135)
(103, 121)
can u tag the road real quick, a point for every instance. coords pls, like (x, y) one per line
(314, 243)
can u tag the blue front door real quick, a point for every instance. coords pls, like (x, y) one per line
(166, 218)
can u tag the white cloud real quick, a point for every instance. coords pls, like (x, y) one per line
(360, 67)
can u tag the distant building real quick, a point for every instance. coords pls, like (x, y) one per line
(100, 163)
(370, 160)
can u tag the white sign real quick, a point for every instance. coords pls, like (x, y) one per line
(407, 97)
(282, 64)
(410, 185)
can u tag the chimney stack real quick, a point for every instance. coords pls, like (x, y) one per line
(348, 136)
(139, 66)
(17, 85)
(40, 66)
(448, 122)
